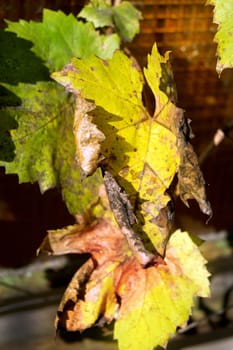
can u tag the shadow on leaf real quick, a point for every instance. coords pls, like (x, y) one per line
(18, 63)
(8, 98)
(7, 147)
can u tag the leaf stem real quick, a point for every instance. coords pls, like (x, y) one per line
(218, 138)
(123, 213)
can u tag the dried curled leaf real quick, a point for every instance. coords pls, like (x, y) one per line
(108, 249)
(191, 184)
(112, 285)
(87, 137)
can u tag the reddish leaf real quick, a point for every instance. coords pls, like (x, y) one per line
(113, 285)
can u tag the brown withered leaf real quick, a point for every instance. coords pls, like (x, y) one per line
(113, 285)
(191, 184)
(91, 293)
(73, 294)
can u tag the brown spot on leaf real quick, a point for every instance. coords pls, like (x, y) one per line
(125, 171)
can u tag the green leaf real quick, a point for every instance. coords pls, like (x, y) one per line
(45, 148)
(59, 37)
(98, 12)
(44, 46)
(124, 17)
(224, 37)
(13, 55)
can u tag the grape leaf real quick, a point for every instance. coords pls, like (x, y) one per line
(124, 17)
(13, 55)
(147, 304)
(224, 37)
(45, 147)
(126, 20)
(98, 12)
(142, 152)
(44, 143)
(163, 298)
(59, 37)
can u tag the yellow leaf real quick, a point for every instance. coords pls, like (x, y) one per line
(142, 152)
(153, 308)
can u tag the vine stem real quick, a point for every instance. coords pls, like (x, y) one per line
(218, 138)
